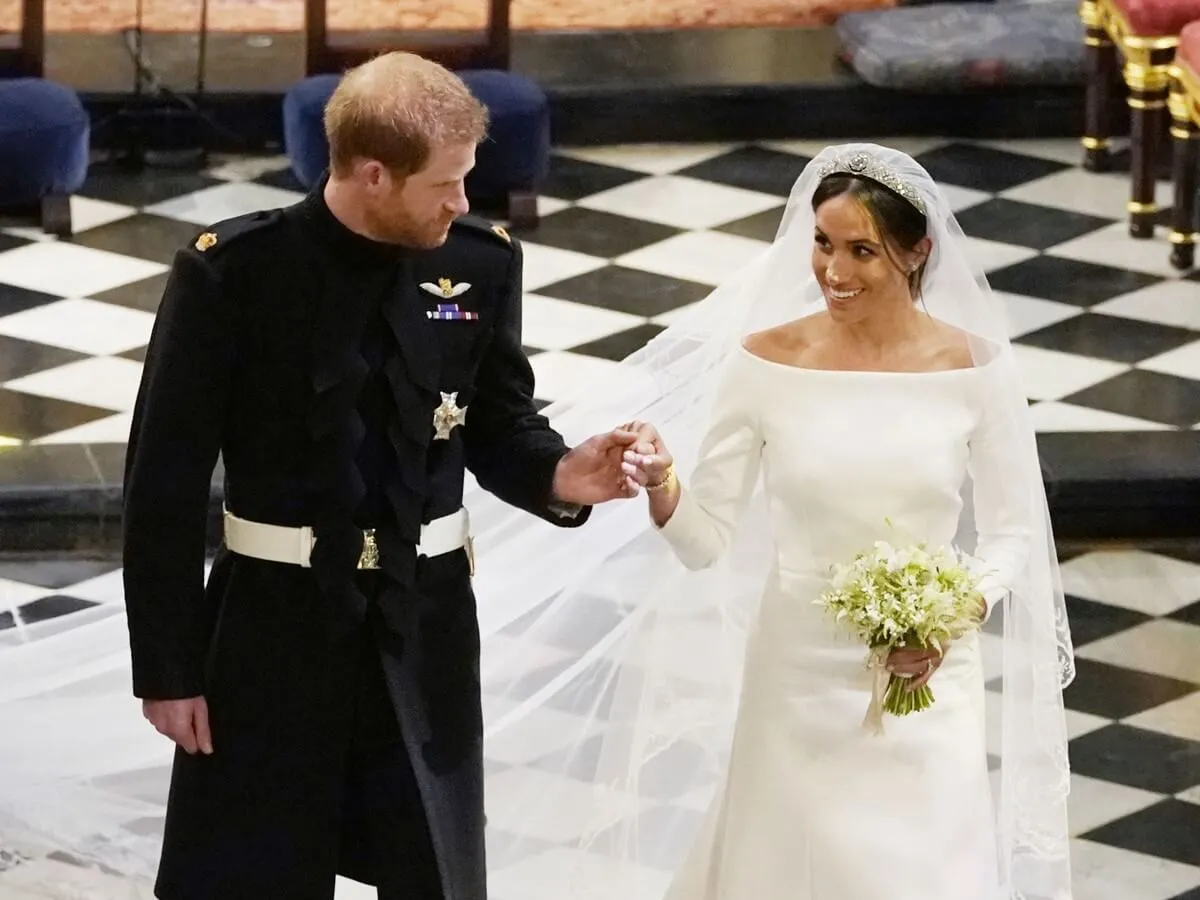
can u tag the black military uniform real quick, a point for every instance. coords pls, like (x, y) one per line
(330, 372)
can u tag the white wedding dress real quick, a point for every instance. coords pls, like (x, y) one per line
(814, 807)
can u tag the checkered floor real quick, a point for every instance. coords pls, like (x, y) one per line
(1108, 334)
(1134, 722)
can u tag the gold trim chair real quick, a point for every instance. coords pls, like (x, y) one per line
(1184, 104)
(1143, 36)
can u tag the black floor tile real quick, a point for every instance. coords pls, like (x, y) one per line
(1145, 395)
(138, 354)
(1168, 830)
(144, 236)
(285, 179)
(1067, 280)
(1189, 614)
(1091, 621)
(628, 290)
(596, 233)
(52, 607)
(55, 574)
(12, 242)
(15, 299)
(145, 295)
(984, 168)
(1026, 224)
(19, 358)
(752, 168)
(7, 620)
(574, 179)
(620, 345)
(145, 188)
(763, 226)
(27, 417)
(1109, 337)
(1101, 689)
(1137, 758)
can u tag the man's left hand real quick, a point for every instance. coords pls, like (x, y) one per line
(593, 472)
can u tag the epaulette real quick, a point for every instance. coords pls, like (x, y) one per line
(474, 223)
(216, 237)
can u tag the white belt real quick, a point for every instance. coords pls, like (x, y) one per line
(282, 544)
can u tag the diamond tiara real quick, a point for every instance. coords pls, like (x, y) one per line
(865, 165)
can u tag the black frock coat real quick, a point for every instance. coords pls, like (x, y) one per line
(257, 355)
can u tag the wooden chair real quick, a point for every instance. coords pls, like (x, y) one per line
(1184, 103)
(1144, 35)
(490, 50)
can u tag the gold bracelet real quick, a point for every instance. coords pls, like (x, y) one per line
(667, 480)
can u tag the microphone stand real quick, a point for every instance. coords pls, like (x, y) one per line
(167, 129)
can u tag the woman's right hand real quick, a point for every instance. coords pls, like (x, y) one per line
(649, 455)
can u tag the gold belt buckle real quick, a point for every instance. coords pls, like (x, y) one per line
(369, 558)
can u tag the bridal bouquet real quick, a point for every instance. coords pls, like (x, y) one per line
(910, 597)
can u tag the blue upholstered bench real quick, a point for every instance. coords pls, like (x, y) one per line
(951, 46)
(510, 165)
(44, 144)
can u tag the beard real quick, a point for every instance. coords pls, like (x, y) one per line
(406, 231)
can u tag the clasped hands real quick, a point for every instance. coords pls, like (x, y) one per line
(612, 466)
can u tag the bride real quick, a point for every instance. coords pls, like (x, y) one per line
(695, 731)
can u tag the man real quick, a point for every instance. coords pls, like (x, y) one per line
(349, 357)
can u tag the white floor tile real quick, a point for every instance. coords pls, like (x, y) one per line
(1062, 150)
(1097, 194)
(1179, 718)
(1108, 873)
(1052, 375)
(548, 807)
(707, 257)
(546, 265)
(989, 256)
(110, 430)
(102, 381)
(1182, 361)
(1079, 724)
(681, 202)
(1093, 802)
(1133, 579)
(87, 213)
(1112, 246)
(653, 159)
(1052, 416)
(237, 168)
(86, 326)
(1162, 646)
(107, 589)
(224, 201)
(68, 270)
(1029, 314)
(562, 375)
(551, 324)
(1174, 303)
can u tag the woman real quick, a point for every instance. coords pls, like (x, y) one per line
(855, 383)
(866, 418)
(695, 730)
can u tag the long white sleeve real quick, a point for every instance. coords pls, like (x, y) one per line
(727, 469)
(1003, 503)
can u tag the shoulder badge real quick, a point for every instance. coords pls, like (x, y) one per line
(474, 223)
(223, 233)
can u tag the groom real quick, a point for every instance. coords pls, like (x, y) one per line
(350, 357)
